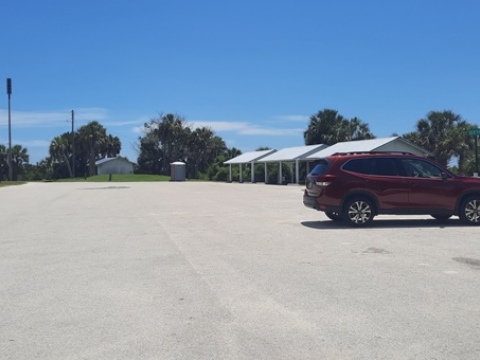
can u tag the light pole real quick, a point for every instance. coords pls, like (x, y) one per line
(9, 155)
(73, 144)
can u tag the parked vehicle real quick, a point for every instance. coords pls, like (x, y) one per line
(356, 187)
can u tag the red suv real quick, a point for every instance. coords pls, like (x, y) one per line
(355, 187)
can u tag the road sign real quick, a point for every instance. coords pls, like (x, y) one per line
(474, 132)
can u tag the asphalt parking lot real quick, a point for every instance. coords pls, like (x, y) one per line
(227, 271)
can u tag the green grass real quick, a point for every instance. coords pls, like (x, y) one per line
(10, 183)
(119, 178)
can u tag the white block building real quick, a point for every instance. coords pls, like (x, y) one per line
(116, 165)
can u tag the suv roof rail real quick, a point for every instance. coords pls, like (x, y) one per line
(372, 152)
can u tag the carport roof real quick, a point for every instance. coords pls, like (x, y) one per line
(250, 156)
(364, 145)
(293, 153)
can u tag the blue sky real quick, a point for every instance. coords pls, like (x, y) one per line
(254, 71)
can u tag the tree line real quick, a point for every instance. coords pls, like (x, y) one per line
(69, 155)
(20, 158)
(169, 138)
(77, 154)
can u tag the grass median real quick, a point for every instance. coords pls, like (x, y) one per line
(11, 183)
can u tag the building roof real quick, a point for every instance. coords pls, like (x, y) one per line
(107, 159)
(248, 157)
(394, 143)
(312, 152)
(293, 153)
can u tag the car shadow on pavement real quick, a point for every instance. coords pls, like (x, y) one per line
(380, 223)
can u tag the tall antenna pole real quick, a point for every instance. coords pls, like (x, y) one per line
(9, 93)
(73, 143)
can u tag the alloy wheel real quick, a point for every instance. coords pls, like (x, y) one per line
(359, 212)
(472, 211)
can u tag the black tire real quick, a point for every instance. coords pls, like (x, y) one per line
(470, 210)
(358, 212)
(334, 216)
(441, 217)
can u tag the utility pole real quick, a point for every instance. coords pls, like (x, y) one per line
(9, 156)
(73, 143)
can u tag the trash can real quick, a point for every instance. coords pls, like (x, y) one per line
(177, 171)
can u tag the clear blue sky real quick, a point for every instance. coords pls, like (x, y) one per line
(253, 70)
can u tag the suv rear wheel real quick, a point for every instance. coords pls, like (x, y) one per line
(470, 210)
(358, 212)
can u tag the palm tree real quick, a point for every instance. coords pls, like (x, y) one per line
(19, 157)
(150, 154)
(200, 149)
(218, 146)
(358, 130)
(234, 152)
(3, 162)
(58, 151)
(45, 168)
(93, 138)
(173, 136)
(323, 128)
(328, 127)
(113, 145)
(463, 144)
(443, 134)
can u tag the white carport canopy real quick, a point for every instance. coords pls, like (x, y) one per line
(291, 155)
(394, 143)
(248, 158)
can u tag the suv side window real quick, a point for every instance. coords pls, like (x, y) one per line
(356, 165)
(373, 166)
(420, 168)
(382, 166)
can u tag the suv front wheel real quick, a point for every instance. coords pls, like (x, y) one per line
(358, 212)
(470, 210)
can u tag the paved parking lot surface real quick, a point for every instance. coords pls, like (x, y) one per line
(227, 271)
